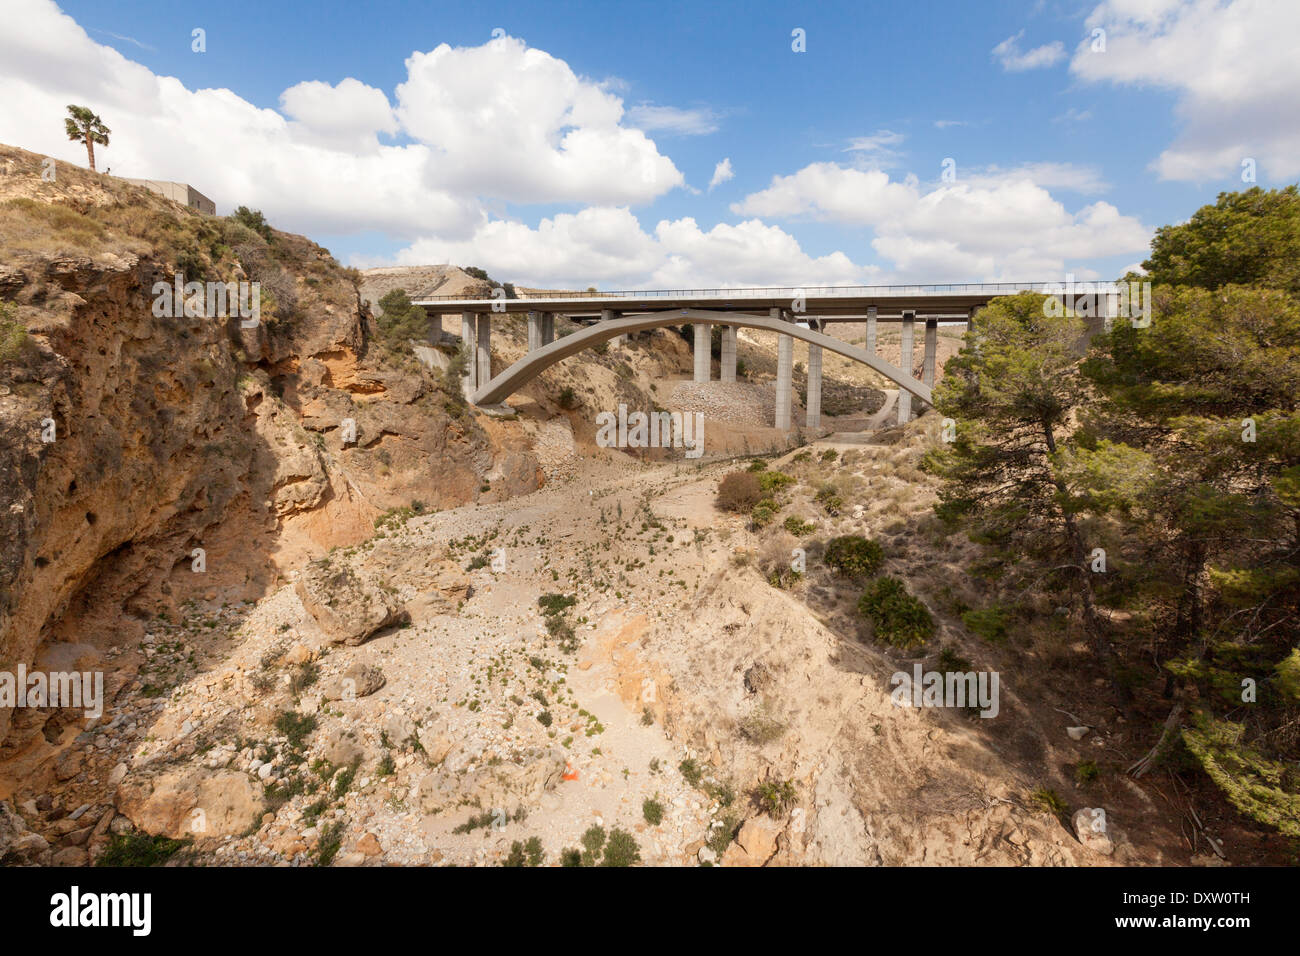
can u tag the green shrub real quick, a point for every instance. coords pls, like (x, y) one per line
(899, 618)
(138, 849)
(1049, 801)
(989, 623)
(828, 496)
(798, 527)
(556, 603)
(770, 482)
(568, 398)
(854, 556)
(776, 797)
(254, 220)
(952, 662)
(621, 850)
(653, 811)
(331, 840)
(526, 854)
(690, 771)
(296, 727)
(401, 321)
(762, 514)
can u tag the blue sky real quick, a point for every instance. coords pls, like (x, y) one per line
(1065, 157)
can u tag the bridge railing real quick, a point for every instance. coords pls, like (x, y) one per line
(782, 292)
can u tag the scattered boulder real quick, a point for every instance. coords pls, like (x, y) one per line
(436, 745)
(299, 654)
(1077, 733)
(16, 840)
(443, 586)
(359, 680)
(70, 856)
(342, 749)
(398, 728)
(755, 844)
(69, 764)
(347, 605)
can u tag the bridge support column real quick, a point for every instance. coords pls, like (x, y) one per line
(469, 337)
(605, 316)
(534, 331)
(727, 372)
(931, 349)
(814, 405)
(784, 375)
(483, 348)
(702, 363)
(548, 328)
(905, 363)
(871, 329)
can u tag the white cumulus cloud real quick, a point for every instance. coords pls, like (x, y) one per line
(1232, 65)
(1014, 60)
(993, 225)
(607, 247)
(721, 173)
(500, 122)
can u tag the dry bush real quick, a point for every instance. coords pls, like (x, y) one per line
(760, 727)
(774, 560)
(739, 492)
(46, 229)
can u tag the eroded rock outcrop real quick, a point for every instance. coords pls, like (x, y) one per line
(192, 803)
(347, 605)
(147, 461)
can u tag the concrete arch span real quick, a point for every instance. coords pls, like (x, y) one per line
(534, 363)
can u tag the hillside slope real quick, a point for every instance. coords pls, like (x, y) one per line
(171, 434)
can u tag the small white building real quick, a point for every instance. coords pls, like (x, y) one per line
(182, 193)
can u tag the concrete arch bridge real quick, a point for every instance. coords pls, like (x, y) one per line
(790, 313)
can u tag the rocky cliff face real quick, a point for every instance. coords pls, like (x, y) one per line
(147, 460)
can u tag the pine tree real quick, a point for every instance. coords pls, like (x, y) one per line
(1014, 392)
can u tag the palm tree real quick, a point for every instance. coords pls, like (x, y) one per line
(82, 124)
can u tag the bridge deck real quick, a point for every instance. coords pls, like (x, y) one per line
(837, 303)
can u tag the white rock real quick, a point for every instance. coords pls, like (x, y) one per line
(1092, 827)
(1077, 733)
